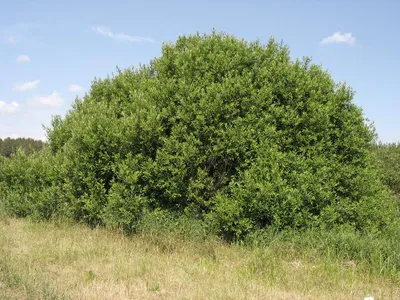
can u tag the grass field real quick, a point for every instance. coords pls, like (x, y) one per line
(65, 261)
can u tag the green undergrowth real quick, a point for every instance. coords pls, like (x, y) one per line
(378, 253)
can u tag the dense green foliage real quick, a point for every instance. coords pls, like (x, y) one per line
(389, 163)
(231, 133)
(10, 145)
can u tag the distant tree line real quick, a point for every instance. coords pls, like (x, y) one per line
(28, 145)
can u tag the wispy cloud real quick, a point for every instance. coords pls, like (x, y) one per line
(11, 40)
(30, 85)
(6, 37)
(105, 31)
(8, 108)
(18, 32)
(74, 88)
(23, 58)
(337, 37)
(53, 100)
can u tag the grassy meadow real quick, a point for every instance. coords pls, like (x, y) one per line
(56, 260)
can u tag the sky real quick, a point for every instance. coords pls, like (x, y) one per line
(50, 51)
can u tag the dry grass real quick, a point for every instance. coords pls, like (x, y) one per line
(61, 261)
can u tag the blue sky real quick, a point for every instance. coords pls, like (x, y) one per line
(50, 51)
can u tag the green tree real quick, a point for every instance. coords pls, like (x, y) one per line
(389, 163)
(230, 132)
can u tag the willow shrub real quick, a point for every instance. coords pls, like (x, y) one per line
(389, 163)
(229, 132)
(28, 185)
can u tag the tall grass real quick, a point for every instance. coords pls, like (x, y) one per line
(379, 253)
(57, 260)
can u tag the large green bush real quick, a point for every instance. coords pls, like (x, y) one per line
(28, 185)
(222, 130)
(389, 163)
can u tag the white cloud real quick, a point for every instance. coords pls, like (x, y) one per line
(53, 100)
(120, 36)
(23, 58)
(8, 108)
(30, 85)
(74, 88)
(337, 37)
